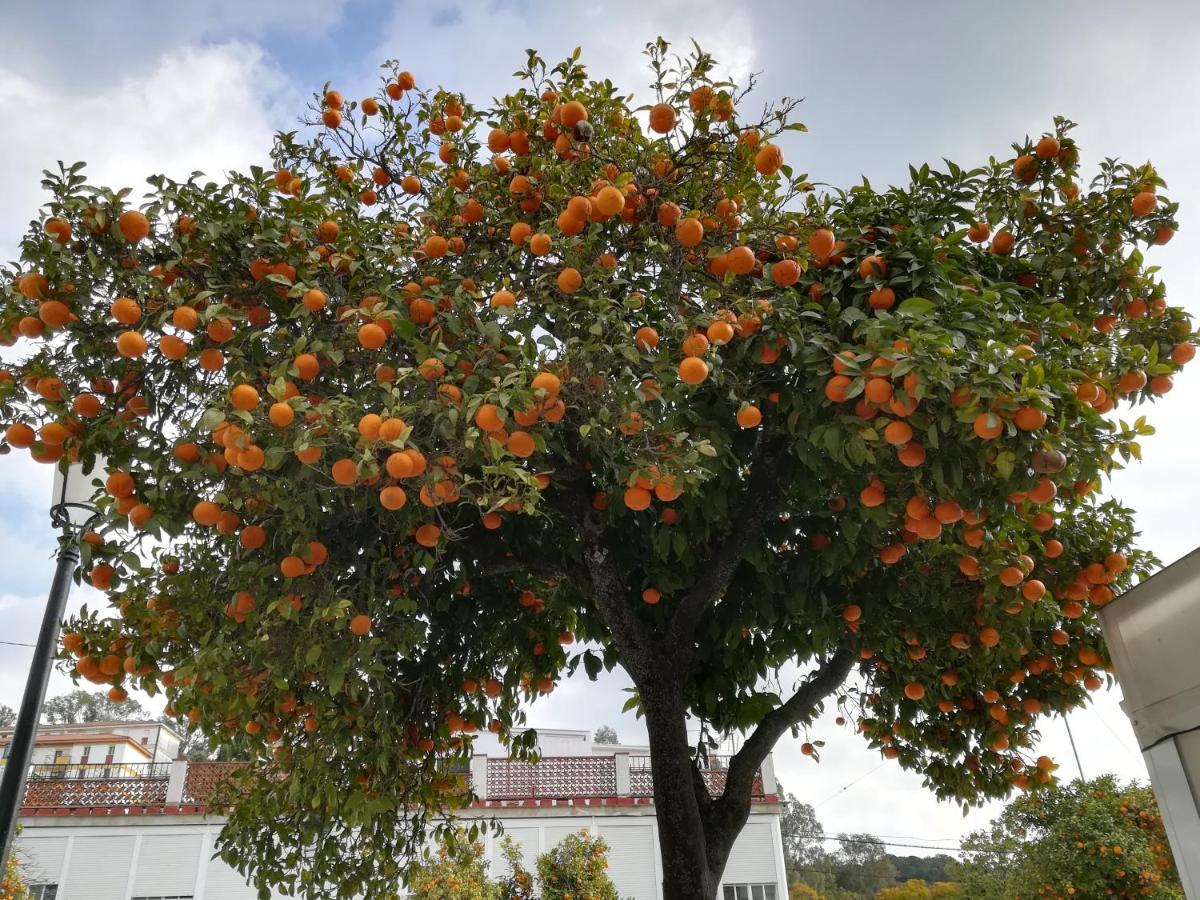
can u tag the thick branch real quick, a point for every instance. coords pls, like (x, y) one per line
(729, 812)
(761, 500)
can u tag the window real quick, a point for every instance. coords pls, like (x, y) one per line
(43, 891)
(749, 892)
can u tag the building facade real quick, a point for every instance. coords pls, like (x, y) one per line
(151, 837)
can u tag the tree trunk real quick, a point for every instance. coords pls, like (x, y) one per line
(691, 866)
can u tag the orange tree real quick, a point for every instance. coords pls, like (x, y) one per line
(452, 400)
(1095, 838)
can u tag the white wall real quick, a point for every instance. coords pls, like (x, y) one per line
(96, 859)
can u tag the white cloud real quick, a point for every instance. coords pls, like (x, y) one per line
(199, 108)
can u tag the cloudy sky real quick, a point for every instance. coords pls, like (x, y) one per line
(139, 87)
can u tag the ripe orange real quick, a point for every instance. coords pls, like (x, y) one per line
(488, 417)
(252, 537)
(689, 232)
(872, 267)
(768, 160)
(637, 498)
(133, 225)
(651, 596)
(662, 117)
(1047, 148)
(988, 426)
(569, 280)
(371, 336)
(521, 443)
(281, 414)
(897, 433)
(693, 370)
(428, 535)
(345, 472)
(646, 338)
(206, 513)
(836, 387)
(244, 397)
(914, 690)
(125, 310)
(749, 416)
(131, 344)
(393, 497)
(1144, 203)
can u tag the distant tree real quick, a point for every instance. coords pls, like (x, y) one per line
(576, 867)
(1085, 839)
(801, 891)
(605, 734)
(863, 865)
(917, 889)
(802, 835)
(79, 707)
(8, 716)
(923, 868)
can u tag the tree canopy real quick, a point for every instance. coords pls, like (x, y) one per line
(451, 400)
(1096, 838)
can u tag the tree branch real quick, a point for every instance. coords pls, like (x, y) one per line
(729, 811)
(761, 500)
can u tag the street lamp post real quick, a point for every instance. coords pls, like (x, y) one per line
(71, 510)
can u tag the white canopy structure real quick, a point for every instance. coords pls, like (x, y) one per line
(1153, 634)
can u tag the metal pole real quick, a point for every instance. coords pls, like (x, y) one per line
(12, 784)
(1071, 737)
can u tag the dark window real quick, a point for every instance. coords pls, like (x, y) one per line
(43, 892)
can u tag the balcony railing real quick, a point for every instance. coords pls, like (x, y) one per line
(59, 771)
(183, 783)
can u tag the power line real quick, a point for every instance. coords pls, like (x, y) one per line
(874, 842)
(17, 644)
(850, 785)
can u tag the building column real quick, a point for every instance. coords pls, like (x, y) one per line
(479, 778)
(624, 787)
(767, 770)
(176, 780)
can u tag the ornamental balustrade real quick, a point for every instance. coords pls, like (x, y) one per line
(200, 783)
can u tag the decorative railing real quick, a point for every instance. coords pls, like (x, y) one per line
(209, 783)
(59, 792)
(552, 777)
(204, 778)
(98, 771)
(641, 781)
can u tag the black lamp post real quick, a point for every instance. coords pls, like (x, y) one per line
(71, 510)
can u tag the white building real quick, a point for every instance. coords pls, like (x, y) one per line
(150, 838)
(99, 749)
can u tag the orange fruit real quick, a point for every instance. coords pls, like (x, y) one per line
(393, 497)
(521, 443)
(693, 370)
(345, 472)
(488, 417)
(371, 336)
(428, 535)
(244, 397)
(768, 160)
(749, 416)
(133, 225)
(662, 117)
(206, 513)
(1144, 203)
(131, 344)
(637, 498)
(569, 280)
(689, 232)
